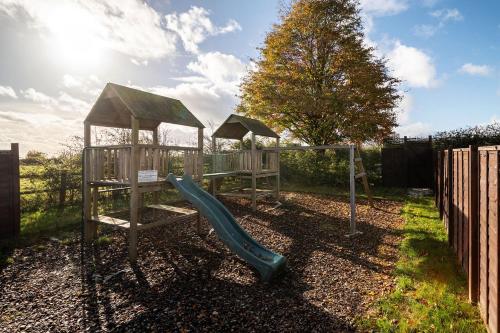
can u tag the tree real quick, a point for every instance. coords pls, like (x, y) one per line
(317, 79)
(34, 157)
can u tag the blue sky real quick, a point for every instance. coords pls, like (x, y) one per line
(57, 55)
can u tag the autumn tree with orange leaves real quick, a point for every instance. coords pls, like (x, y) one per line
(317, 78)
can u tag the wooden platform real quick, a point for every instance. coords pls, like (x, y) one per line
(221, 174)
(247, 193)
(125, 183)
(179, 210)
(261, 174)
(184, 214)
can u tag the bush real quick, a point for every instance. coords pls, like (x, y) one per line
(481, 135)
(328, 167)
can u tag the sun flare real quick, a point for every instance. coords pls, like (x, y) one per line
(75, 37)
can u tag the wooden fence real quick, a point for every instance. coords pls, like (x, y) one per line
(10, 215)
(467, 190)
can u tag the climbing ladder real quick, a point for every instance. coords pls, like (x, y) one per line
(362, 174)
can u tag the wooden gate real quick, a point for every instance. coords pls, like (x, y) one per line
(10, 215)
(408, 163)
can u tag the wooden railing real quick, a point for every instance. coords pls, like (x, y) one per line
(112, 163)
(267, 161)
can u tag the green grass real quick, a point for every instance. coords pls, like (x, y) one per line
(50, 222)
(62, 224)
(430, 293)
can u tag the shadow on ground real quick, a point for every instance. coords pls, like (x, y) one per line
(184, 282)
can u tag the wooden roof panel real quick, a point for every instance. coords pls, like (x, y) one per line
(236, 127)
(117, 103)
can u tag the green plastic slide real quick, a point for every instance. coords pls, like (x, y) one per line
(267, 263)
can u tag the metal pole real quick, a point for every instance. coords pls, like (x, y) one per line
(352, 186)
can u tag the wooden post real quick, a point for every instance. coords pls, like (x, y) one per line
(214, 179)
(450, 197)
(441, 182)
(134, 191)
(199, 161)
(156, 194)
(278, 169)
(155, 136)
(89, 225)
(16, 191)
(240, 165)
(62, 188)
(473, 225)
(199, 172)
(254, 174)
(364, 178)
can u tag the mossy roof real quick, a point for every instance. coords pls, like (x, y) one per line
(117, 103)
(236, 127)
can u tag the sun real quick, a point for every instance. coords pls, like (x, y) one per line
(75, 36)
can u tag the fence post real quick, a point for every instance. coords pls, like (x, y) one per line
(451, 227)
(473, 278)
(63, 187)
(16, 191)
(441, 182)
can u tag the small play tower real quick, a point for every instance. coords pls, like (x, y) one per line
(136, 167)
(250, 164)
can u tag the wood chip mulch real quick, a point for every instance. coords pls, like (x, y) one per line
(186, 283)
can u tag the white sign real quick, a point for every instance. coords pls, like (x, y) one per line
(146, 176)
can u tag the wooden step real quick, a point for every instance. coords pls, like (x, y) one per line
(113, 221)
(179, 210)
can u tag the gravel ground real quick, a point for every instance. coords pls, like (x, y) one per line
(187, 283)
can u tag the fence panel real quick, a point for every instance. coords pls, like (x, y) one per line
(10, 215)
(467, 194)
(460, 204)
(483, 231)
(488, 231)
(459, 178)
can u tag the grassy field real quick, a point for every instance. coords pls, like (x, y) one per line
(431, 292)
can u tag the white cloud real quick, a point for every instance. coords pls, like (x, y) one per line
(89, 85)
(425, 30)
(38, 97)
(68, 103)
(417, 129)
(448, 14)
(412, 65)
(383, 7)
(36, 119)
(211, 93)
(70, 81)
(224, 71)
(443, 16)
(404, 108)
(64, 102)
(139, 62)
(130, 27)
(194, 26)
(8, 91)
(471, 69)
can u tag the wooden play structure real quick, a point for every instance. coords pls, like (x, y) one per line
(244, 164)
(257, 164)
(138, 168)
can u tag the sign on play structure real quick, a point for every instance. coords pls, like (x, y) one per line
(145, 176)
